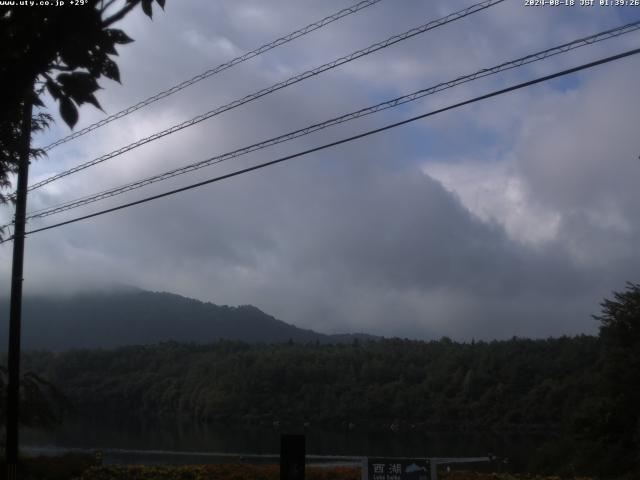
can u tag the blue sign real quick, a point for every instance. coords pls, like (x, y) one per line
(397, 469)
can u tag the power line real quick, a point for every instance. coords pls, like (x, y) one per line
(280, 85)
(339, 142)
(612, 33)
(213, 71)
(290, 81)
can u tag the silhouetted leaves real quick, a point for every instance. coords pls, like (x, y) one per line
(80, 87)
(117, 36)
(63, 51)
(111, 70)
(76, 55)
(68, 111)
(146, 7)
(54, 89)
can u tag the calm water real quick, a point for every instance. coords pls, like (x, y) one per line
(172, 442)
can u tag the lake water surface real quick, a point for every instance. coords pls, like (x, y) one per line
(174, 442)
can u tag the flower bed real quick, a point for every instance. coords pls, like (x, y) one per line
(212, 472)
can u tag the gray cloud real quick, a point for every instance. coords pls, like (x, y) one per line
(381, 235)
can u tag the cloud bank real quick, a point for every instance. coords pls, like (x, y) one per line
(510, 217)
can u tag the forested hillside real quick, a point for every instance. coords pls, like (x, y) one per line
(130, 316)
(517, 384)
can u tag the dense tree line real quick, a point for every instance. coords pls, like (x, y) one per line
(517, 384)
(554, 386)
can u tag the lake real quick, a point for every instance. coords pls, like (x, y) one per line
(175, 442)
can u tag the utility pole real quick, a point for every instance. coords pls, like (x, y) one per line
(13, 387)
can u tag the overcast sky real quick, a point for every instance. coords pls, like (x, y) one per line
(513, 216)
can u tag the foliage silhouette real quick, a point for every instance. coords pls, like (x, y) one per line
(613, 427)
(43, 404)
(61, 51)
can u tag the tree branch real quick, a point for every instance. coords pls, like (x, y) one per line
(119, 15)
(104, 7)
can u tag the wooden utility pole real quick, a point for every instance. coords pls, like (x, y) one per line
(13, 387)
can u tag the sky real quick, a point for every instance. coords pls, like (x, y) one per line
(515, 216)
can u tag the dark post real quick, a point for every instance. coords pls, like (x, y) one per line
(13, 387)
(292, 457)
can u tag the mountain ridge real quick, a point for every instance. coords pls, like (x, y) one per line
(132, 316)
